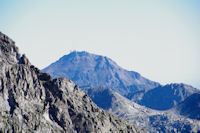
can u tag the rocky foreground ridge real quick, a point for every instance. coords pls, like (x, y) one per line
(31, 101)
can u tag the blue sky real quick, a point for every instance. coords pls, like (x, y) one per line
(159, 39)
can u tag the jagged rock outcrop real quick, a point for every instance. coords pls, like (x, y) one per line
(31, 101)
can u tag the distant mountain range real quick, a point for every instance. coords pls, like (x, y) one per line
(145, 118)
(120, 92)
(90, 70)
(164, 97)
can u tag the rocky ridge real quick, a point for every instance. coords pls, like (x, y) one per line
(190, 107)
(164, 97)
(31, 101)
(145, 118)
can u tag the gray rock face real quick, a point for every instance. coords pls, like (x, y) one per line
(145, 118)
(31, 101)
(90, 70)
(165, 97)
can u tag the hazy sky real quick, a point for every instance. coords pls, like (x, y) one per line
(158, 38)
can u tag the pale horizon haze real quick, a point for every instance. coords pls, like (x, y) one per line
(159, 39)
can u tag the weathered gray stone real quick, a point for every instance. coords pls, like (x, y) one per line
(31, 101)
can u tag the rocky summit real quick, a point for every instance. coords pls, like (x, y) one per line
(31, 101)
(91, 70)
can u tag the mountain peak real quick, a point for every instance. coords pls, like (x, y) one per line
(79, 53)
(82, 56)
(91, 70)
(85, 55)
(7, 44)
(8, 51)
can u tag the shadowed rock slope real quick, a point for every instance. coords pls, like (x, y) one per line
(153, 121)
(31, 101)
(165, 97)
(190, 107)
